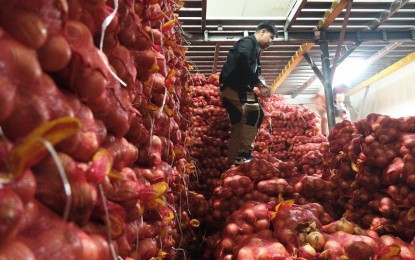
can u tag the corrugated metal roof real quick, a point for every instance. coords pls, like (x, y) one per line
(381, 31)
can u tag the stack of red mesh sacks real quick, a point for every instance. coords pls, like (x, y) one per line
(260, 230)
(291, 133)
(120, 171)
(288, 132)
(375, 172)
(209, 133)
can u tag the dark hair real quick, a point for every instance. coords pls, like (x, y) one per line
(270, 27)
(339, 89)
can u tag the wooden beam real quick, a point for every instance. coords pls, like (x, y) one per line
(386, 72)
(331, 14)
(295, 59)
(215, 58)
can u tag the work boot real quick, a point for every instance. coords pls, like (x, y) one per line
(243, 157)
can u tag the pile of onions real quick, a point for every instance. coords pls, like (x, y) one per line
(325, 180)
(101, 163)
(373, 164)
(209, 132)
(289, 132)
(253, 218)
(292, 231)
(364, 173)
(258, 180)
(113, 114)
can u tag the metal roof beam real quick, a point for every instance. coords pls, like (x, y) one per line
(306, 37)
(295, 59)
(304, 86)
(383, 52)
(204, 7)
(294, 14)
(314, 67)
(386, 14)
(328, 90)
(215, 58)
(311, 79)
(340, 43)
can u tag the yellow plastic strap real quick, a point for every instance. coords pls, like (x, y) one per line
(194, 222)
(168, 25)
(154, 68)
(29, 150)
(168, 111)
(106, 156)
(150, 107)
(169, 217)
(154, 191)
(283, 202)
(354, 167)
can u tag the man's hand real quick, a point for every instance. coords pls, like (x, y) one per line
(264, 91)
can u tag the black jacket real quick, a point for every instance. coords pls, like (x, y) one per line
(242, 66)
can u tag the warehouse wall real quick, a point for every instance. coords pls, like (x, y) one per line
(394, 96)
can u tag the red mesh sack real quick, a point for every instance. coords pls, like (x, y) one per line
(49, 237)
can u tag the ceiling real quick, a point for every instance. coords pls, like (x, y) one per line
(377, 32)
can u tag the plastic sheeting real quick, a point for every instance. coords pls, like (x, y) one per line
(394, 96)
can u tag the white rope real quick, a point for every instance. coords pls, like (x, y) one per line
(104, 26)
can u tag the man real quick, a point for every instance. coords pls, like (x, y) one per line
(319, 102)
(239, 76)
(340, 110)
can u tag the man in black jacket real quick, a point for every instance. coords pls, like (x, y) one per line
(239, 76)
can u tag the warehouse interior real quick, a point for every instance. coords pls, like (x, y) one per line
(364, 38)
(116, 133)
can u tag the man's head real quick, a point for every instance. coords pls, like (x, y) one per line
(265, 33)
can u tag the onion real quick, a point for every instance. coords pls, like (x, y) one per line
(24, 186)
(316, 240)
(249, 215)
(15, 249)
(246, 229)
(307, 250)
(261, 224)
(90, 83)
(11, 210)
(359, 250)
(227, 244)
(345, 226)
(7, 96)
(232, 230)
(55, 54)
(332, 245)
(28, 114)
(127, 34)
(20, 60)
(26, 27)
